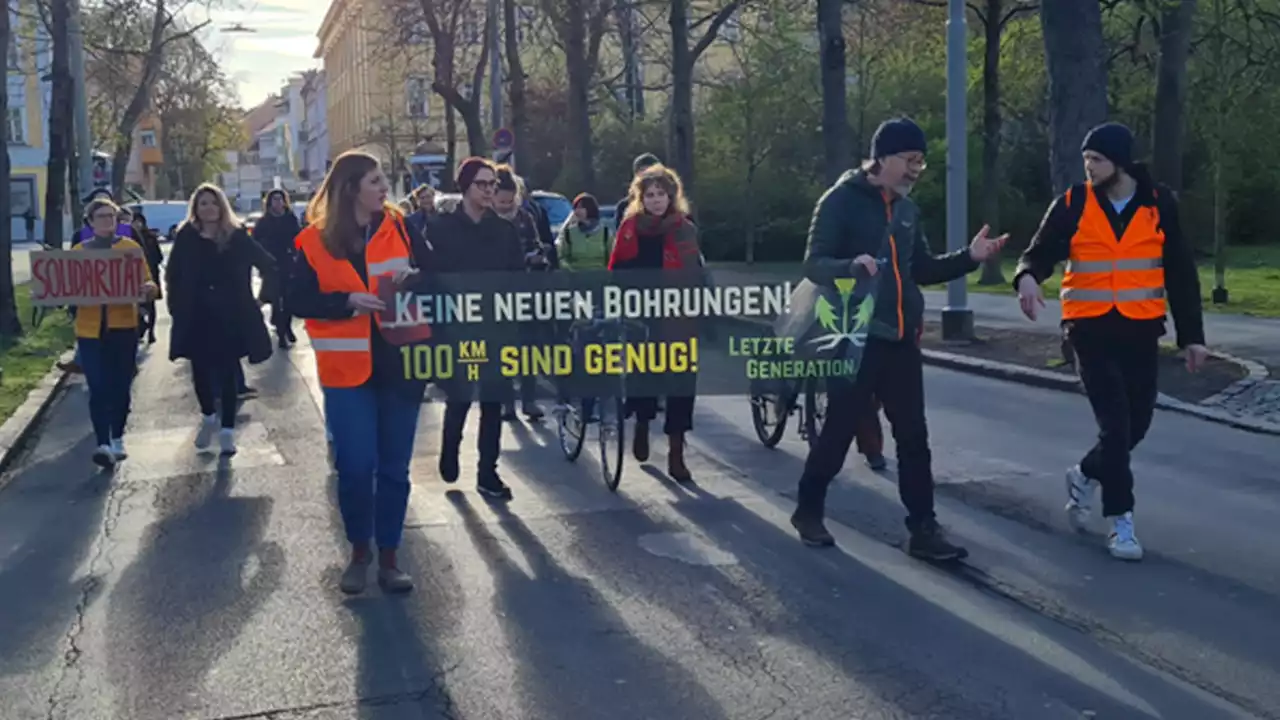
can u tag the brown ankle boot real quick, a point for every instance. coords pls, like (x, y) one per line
(675, 459)
(640, 443)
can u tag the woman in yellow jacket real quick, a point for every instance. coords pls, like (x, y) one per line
(107, 339)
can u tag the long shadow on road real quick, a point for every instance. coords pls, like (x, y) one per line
(202, 572)
(576, 655)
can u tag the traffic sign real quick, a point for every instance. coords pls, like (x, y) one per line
(504, 139)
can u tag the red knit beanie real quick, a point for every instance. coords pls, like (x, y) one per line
(468, 169)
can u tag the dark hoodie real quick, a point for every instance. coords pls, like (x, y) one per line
(856, 218)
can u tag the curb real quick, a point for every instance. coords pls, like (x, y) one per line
(18, 429)
(1070, 383)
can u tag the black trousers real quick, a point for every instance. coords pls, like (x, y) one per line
(215, 380)
(490, 440)
(282, 320)
(1119, 372)
(893, 373)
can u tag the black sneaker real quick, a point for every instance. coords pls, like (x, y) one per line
(640, 443)
(491, 486)
(812, 531)
(449, 467)
(877, 462)
(929, 542)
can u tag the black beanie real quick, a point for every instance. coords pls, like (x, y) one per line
(1112, 141)
(468, 169)
(643, 162)
(895, 136)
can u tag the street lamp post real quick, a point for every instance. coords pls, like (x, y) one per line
(957, 318)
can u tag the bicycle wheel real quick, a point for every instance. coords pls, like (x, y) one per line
(815, 411)
(769, 416)
(571, 427)
(613, 440)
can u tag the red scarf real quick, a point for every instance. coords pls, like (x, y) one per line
(627, 241)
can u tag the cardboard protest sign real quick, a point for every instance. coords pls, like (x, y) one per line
(87, 277)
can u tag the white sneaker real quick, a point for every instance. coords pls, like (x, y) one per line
(104, 457)
(117, 449)
(1080, 492)
(1122, 542)
(227, 441)
(204, 436)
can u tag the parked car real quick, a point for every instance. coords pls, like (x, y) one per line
(609, 218)
(557, 206)
(161, 214)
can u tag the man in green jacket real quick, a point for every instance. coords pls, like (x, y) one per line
(865, 225)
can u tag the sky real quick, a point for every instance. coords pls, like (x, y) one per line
(260, 62)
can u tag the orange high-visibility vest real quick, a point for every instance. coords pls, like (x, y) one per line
(343, 348)
(1103, 273)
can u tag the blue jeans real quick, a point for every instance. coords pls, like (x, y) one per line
(109, 364)
(373, 428)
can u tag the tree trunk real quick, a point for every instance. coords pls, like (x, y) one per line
(579, 71)
(1171, 92)
(835, 121)
(10, 326)
(991, 123)
(1077, 70)
(140, 101)
(625, 20)
(60, 124)
(450, 148)
(680, 139)
(515, 90)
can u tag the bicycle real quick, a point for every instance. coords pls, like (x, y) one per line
(607, 414)
(784, 404)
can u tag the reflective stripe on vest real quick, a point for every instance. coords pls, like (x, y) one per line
(1105, 273)
(344, 347)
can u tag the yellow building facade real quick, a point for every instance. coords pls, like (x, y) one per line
(28, 59)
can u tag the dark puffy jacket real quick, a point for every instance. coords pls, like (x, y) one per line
(856, 218)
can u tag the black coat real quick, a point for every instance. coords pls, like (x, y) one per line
(194, 265)
(276, 234)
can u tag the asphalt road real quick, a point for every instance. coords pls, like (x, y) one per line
(180, 588)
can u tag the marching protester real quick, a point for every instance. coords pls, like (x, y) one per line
(583, 241)
(357, 242)
(107, 341)
(656, 234)
(155, 258)
(424, 202)
(1122, 242)
(86, 232)
(538, 257)
(216, 320)
(643, 162)
(473, 239)
(276, 231)
(862, 225)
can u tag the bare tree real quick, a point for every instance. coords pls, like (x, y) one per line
(1169, 122)
(10, 325)
(1077, 71)
(579, 27)
(835, 113)
(683, 58)
(445, 19)
(194, 103)
(60, 121)
(516, 85)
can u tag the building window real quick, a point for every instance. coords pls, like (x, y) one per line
(417, 93)
(17, 125)
(147, 138)
(22, 196)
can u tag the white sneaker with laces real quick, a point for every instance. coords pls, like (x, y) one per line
(1080, 492)
(103, 456)
(1122, 542)
(117, 448)
(227, 441)
(208, 426)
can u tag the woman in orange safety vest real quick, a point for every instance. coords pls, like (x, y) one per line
(355, 245)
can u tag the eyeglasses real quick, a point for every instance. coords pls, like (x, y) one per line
(916, 163)
(485, 184)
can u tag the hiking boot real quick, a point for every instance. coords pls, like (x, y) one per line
(929, 542)
(813, 532)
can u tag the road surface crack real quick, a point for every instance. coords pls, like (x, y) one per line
(100, 565)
